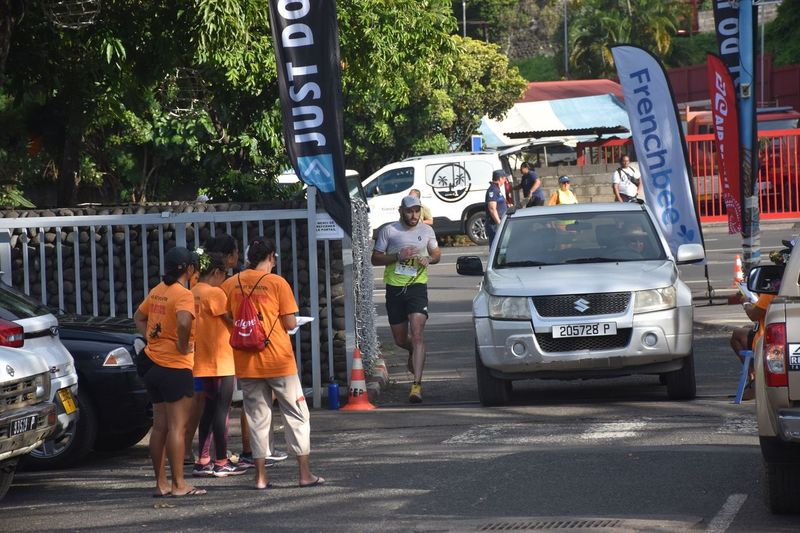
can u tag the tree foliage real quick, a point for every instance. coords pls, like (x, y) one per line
(782, 38)
(596, 25)
(157, 103)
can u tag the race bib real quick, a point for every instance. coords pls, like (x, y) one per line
(406, 268)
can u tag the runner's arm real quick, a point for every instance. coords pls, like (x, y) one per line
(184, 322)
(141, 322)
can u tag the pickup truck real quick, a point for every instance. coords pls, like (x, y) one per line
(777, 383)
(27, 417)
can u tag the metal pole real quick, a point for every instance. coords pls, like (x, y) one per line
(566, 55)
(464, 17)
(761, 16)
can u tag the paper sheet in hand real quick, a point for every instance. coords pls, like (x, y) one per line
(753, 297)
(301, 321)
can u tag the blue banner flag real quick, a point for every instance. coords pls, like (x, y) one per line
(306, 41)
(660, 148)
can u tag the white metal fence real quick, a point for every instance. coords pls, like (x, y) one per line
(105, 264)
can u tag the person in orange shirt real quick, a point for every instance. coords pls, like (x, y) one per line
(227, 246)
(213, 366)
(165, 318)
(272, 369)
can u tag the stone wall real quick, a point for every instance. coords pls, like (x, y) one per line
(29, 242)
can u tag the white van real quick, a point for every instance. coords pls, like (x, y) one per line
(452, 185)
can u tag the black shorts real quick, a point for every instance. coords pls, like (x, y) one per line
(402, 301)
(168, 384)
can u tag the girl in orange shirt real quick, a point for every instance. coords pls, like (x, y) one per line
(166, 318)
(272, 369)
(213, 366)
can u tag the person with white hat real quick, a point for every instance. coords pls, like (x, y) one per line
(406, 248)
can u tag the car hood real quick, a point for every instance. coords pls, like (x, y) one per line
(101, 329)
(581, 278)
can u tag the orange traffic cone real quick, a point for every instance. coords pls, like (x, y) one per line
(738, 274)
(357, 399)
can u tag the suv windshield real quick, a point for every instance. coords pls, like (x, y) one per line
(15, 305)
(582, 238)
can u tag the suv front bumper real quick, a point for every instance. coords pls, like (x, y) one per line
(27, 441)
(656, 344)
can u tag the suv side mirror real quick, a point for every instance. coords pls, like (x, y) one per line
(469, 265)
(765, 279)
(690, 253)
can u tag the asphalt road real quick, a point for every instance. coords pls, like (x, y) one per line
(610, 455)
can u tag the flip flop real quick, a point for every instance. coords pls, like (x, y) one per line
(194, 492)
(164, 495)
(269, 486)
(316, 483)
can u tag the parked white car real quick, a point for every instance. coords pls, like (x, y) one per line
(41, 337)
(581, 291)
(27, 416)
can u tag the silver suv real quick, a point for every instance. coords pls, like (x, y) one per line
(777, 367)
(581, 291)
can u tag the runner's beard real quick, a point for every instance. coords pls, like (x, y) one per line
(409, 220)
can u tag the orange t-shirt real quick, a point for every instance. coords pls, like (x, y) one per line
(762, 303)
(272, 297)
(213, 355)
(161, 307)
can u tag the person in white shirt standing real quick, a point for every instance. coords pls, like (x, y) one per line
(626, 181)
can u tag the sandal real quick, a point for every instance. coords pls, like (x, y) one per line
(194, 492)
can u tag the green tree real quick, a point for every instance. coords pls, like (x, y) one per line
(781, 38)
(596, 25)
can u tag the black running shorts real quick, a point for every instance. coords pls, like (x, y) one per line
(402, 301)
(168, 384)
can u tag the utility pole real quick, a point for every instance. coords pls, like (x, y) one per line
(464, 17)
(566, 45)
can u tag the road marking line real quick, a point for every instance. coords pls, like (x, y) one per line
(724, 518)
(613, 430)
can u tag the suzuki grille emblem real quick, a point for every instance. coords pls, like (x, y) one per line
(581, 305)
(10, 370)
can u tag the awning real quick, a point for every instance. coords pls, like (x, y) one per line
(571, 115)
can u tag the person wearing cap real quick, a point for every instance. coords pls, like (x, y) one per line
(496, 205)
(405, 248)
(563, 195)
(166, 319)
(626, 181)
(532, 193)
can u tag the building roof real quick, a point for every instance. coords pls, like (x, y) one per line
(538, 91)
(569, 118)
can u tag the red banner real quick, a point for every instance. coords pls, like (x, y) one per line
(726, 130)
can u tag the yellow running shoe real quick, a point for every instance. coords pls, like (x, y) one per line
(415, 396)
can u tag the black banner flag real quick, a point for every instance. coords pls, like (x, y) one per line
(306, 41)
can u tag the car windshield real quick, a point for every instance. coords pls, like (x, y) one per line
(551, 239)
(15, 305)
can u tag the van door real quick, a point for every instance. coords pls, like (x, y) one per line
(384, 193)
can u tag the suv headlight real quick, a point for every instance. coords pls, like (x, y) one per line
(654, 300)
(509, 308)
(118, 357)
(42, 384)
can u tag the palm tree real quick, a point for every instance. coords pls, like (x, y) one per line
(596, 25)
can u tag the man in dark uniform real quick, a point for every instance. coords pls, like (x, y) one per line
(496, 205)
(532, 193)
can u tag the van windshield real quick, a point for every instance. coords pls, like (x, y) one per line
(578, 238)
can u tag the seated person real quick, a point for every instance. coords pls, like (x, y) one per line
(631, 244)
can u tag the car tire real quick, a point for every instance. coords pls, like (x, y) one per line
(492, 392)
(70, 448)
(112, 442)
(7, 469)
(476, 228)
(681, 384)
(781, 487)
